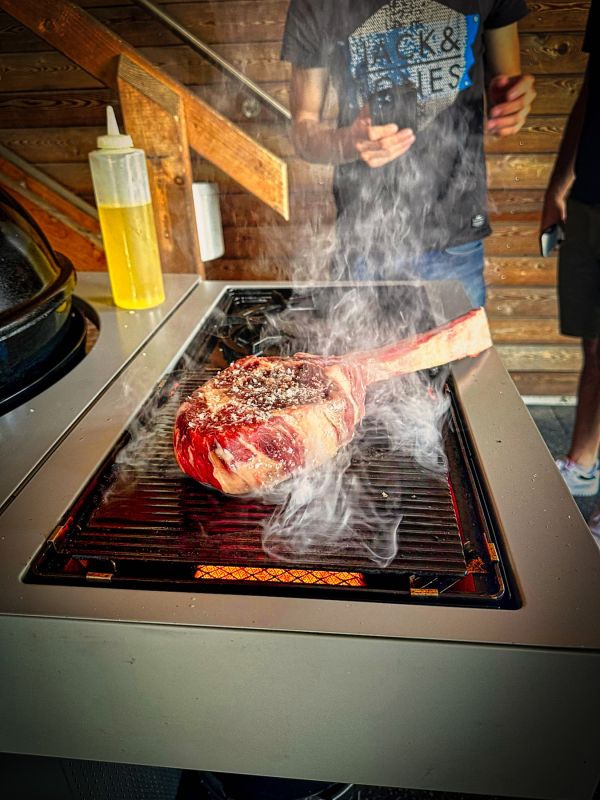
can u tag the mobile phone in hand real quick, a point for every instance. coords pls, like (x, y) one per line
(396, 104)
(551, 239)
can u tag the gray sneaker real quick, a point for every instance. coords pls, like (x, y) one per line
(582, 482)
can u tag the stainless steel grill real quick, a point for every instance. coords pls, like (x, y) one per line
(397, 692)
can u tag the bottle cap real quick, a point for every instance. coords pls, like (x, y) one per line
(113, 140)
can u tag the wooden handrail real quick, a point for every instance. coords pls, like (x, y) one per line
(94, 48)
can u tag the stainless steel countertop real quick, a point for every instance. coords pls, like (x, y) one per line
(555, 560)
(27, 433)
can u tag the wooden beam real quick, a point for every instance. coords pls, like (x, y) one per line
(49, 190)
(96, 49)
(155, 118)
(80, 245)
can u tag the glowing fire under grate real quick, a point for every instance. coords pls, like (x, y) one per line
(278, 575)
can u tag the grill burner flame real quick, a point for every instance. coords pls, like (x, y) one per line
(278, 575)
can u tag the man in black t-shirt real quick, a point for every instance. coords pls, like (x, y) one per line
(573, 199)
(411, 196)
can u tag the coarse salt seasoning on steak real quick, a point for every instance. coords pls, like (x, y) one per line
(263, 419)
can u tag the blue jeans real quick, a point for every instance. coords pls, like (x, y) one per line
(463, 263)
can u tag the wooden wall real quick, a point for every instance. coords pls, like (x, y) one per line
(51, 112)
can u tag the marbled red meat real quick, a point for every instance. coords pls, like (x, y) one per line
(263, 419)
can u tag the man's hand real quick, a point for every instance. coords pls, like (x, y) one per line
(510, 100)
(377, 145)
(554, 210)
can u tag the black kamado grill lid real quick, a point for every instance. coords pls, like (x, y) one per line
(32, 275)
(36, 288)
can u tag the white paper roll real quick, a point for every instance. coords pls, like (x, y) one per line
(208, 220)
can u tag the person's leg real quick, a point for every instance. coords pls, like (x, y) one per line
(586, 431)
(579, 306)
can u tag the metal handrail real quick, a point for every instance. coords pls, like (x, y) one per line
(207, 51)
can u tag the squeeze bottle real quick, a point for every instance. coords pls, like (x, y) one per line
(124, 205)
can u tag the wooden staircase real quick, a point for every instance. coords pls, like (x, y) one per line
(70, 224)
(164, 118)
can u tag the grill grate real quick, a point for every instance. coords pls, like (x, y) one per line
(146, 509)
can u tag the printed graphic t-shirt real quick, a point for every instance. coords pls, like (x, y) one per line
(434, 196)
(586, 187)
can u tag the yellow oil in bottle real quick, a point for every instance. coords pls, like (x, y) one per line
(132, 256)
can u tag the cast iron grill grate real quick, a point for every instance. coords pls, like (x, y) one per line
(147, 509)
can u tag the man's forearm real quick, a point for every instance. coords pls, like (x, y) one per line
(317, 142)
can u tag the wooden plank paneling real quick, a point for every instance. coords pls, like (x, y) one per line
(534, 331)
(286, 240)
(505, 205)
(68, 233)
(516, 171)
(267, 268)
(522, 301)
(51, 70)
(43, 90)
(552, 53)
(52, 144)
(280, 242)
(540, 134)
(32, 182)
(242, 210)
(555, 93)
(242, 24)
(540, 358)
(62, 109)
(239, 24)
(519, 270)
(555, 15)
(505, 171)
(47, 71)
(513, 239)
(525, 274)
(513, 276)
